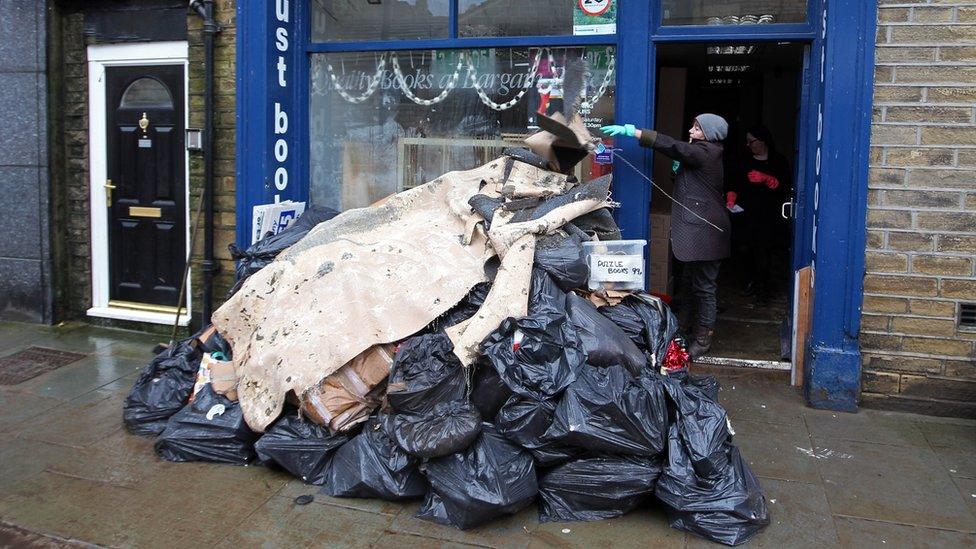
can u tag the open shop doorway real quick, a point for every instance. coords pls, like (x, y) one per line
(756, 87)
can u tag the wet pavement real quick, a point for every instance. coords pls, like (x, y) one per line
(70, 474)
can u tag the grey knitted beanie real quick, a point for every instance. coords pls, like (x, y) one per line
(713, 126)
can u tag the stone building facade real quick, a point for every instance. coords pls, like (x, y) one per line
(920, 260)
(917, 351)
(26, 288)
(68, 77)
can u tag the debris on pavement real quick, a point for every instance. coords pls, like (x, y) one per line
(372, 465)
(211, 428)
(299, 446)
(491, 478)
(444, 345)
(163, 388)
(348, 396)
(264, 251)
(597, 488)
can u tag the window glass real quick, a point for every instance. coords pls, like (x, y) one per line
(146, 93)
(385, 122)
(360, 20)
(732, 12)
(536, 18)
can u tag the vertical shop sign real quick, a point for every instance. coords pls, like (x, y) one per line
(280, 104)
(594, 17)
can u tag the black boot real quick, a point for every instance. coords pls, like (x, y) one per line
(701, 343)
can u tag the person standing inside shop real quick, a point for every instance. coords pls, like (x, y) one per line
(700, 224)
(762, 184)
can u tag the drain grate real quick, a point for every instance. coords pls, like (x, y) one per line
(32, 362)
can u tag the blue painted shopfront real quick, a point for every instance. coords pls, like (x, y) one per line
(275, 50)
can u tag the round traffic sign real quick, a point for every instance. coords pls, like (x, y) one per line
(595, 7)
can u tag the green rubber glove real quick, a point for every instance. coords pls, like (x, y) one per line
(627, 129)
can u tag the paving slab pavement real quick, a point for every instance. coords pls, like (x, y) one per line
(70, 475)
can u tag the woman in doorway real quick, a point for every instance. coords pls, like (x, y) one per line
(700, 223)
(762, 184)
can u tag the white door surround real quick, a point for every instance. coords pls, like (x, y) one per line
(114, 55)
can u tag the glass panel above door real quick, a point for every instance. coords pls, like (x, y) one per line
(146, 93)
(732, 12)
(536, 18)
(365, 20)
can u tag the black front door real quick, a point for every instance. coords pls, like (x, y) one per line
(146, 186)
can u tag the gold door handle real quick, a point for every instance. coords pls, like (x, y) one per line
(108, 192)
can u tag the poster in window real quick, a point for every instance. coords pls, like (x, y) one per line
(594, 17)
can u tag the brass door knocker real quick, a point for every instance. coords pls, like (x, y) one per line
(144, 124)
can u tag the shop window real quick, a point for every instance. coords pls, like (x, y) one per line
(536, 18)
(732, 12)
(364, 20)
(383, 122)
(146, 93)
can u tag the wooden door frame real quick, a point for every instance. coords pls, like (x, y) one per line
(101, 57)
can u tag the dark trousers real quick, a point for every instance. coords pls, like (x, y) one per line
(699, 287)
(761, 232)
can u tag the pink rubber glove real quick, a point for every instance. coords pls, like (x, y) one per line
(730, 199)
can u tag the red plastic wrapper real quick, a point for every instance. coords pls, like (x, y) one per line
(676, 357)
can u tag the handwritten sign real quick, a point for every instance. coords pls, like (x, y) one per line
(616, 268)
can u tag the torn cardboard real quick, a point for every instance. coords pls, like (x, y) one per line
(347, 397)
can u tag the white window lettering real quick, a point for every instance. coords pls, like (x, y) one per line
(281, 71)
(281, 10)
(280, 120)
(281, 150)
(282, 42)
(281, 178)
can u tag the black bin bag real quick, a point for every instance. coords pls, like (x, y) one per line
(525, 421)
(561, 255)
(647, 320)
(607, 410)
(598, 224)
(425, 371)
(211, 428)
(372, 465)
(727, 508)
(493, 477)
(603, 341)
(490, 392)
(708, 385)
(596, 488)
(537, 356)
(702, 423)
(706, 485)
(465, 309)
(299, 446)
(545, 296)
(450, 427)
(258, 255)
(162, 389)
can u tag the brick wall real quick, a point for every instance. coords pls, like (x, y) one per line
(921, 218)
(69, 176)
(225, 105)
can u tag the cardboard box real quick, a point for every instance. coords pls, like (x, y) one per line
(223, 378)
(348, 396)
(660, 279)
(660, 226)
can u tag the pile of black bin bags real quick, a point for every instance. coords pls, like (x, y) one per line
(567, 407)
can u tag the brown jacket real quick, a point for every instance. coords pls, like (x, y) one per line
(699, 186)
